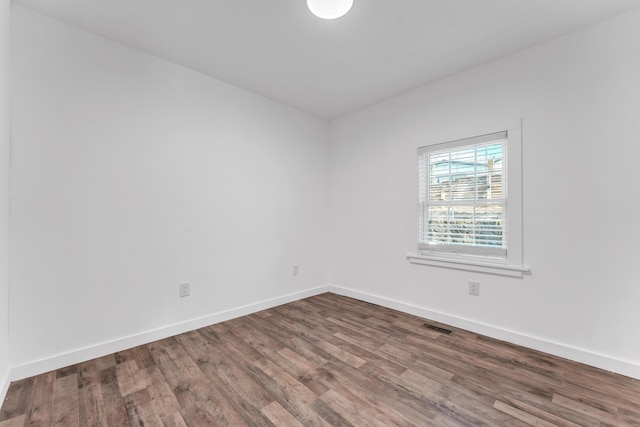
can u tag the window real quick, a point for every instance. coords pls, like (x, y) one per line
(470, 204)
(463, 203)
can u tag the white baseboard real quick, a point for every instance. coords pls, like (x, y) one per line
(608, 363)
(37, 367)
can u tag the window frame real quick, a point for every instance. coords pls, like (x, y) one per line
(425, 202)
(512, 263)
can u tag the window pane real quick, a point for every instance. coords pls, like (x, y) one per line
(466, 174)
(488, 225)
(467, 225)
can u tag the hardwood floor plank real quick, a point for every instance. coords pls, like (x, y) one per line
(175, 420)
(462, 406)
(41, 411)
(91, 399)
(200, 415)
(619, 391)
(297, 371)
(192, 388)
(546, 410)
(361, 328)
(17, 402)
(255, 338)
(106, 362)
(628, 418)
(231, 378)
(328, 414)
(409, 361)
(349, 411)
(299, 363)
(280, 416)
(65, 401)
(131, 378)
(381, 390)
(226, 337)
(18, 421)
(69, 370)
(521, 415)
(341, 354)
(288, 384)
(141, 410)
(443, 421)
(347, 400)
(114, 406)
(140, 354)
(609, 418)
(164, 401)
(280, 387)
(327, 360)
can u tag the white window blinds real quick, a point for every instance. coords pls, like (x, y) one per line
(463, 197)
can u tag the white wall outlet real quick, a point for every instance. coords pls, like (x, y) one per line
(295, 270)
(474, 288)
(185, 289)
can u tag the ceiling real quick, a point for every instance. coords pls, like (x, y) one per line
(380, 49)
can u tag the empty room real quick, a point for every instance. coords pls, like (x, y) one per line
(319, 212)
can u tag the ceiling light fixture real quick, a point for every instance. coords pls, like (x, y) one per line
(329, 9)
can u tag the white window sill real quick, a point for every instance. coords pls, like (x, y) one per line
(469, 265)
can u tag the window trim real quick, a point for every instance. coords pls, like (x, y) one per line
(513, 263)
(469, 265)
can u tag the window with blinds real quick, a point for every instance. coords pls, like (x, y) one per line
(463, 197)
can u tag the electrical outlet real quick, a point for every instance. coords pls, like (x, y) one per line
(295, 270)
(474, 288)
(185, 289)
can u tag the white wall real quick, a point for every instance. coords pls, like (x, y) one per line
(4, 194)
(130, 175)
(579, 97)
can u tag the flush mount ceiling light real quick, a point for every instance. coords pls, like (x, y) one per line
(329, 9)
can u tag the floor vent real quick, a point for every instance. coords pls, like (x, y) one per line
(438, 329)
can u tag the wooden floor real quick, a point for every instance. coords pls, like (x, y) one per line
(326, 360)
